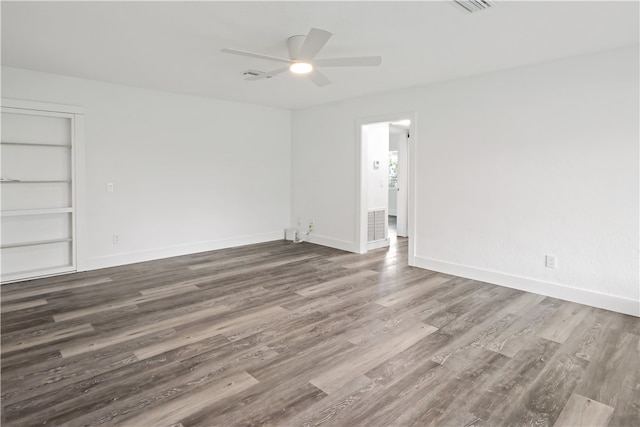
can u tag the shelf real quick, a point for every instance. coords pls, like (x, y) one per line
(35, 243)
(24, 212)
(18, 181)
(37, 145)
(19, 276)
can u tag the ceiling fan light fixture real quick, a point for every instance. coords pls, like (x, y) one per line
(302, 54)
(301, 67)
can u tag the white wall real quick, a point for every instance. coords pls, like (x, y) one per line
(511, 166)
(190, 174)
(395, 133)
(395, 136)
(377, 143)
(393, 201)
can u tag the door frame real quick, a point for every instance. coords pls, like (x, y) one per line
(403, 184)
(361, 180)
(76, 115)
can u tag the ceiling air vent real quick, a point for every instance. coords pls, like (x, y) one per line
(472, 6)
(252, 73)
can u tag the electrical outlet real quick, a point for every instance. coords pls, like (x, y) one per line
(550, 261)
(116, 239)
(109, 187)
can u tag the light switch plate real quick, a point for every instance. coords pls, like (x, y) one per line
(550, 261)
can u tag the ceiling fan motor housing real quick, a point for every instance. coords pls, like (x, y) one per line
(294, 43)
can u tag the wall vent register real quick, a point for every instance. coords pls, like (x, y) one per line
(376, 225)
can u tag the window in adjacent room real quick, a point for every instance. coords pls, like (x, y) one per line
(393, 169)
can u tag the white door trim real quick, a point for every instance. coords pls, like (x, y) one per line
(403, 187)
(41, 106)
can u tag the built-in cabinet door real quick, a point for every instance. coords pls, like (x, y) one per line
(38, 193)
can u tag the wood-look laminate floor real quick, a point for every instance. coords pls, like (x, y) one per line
(302, 335)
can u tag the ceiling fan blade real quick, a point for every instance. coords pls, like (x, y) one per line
(255, 55)
(319, 79)
(268, 74)
(316, 39)
(356, 61)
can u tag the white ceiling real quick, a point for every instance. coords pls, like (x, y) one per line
(175, 46)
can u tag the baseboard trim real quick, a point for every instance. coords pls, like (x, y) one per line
(332, 243)
(378, 244)
(171, 251)
(555, 290)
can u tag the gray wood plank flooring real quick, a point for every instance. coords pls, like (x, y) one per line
(286, 334)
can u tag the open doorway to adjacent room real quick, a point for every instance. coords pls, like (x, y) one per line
(385, 183)
(397, 201)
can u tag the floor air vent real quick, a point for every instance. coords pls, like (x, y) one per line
(472, 6)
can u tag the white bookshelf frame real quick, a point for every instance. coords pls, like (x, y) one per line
(76, 147)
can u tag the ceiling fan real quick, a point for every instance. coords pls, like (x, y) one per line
(302, 53)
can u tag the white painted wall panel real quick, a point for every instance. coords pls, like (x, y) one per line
(32, 129)
(377, 143)
(36, 258)
(26, 228)
(36, 196)
(46, 163)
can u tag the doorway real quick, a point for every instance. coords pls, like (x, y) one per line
(385, 205)
(399, 134)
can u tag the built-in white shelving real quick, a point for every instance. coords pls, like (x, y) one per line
(31, 144)
(24, 212)
(38, 150)
(40, 181)
(35, 243)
